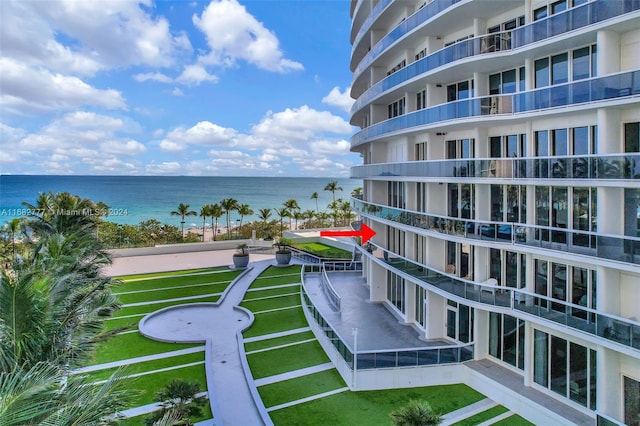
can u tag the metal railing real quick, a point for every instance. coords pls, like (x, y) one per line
(389, 358)
(611, 166)
(611, 327)
(619, 248)
(612, 86)
(332, 295)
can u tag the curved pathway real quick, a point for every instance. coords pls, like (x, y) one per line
(230, 394)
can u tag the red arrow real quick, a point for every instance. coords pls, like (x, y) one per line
(365, 233)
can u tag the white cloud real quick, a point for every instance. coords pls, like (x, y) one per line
(164, 168)
(130, 147)
(234, 34)
(153, 76)
(194, 75)
(177, 92)
(30, 89)
(203, 133)
(340, 99)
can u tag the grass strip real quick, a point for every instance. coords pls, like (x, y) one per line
(129, 323)
(483, 416)
(514, 420)
(139, 420)
(277, 321)
(372, 407)
(148, 385)
(178, 281)
(156, 364)
(300, 387)
(290, 358)
(277, 341)
(275, 303)
(172, 273)
(125, 346)
(274, 281)
(324, 250)
(173, 293)
(265, 292)
(146, 309)
(287, 270)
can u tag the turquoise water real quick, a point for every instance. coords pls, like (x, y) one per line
(133, 199)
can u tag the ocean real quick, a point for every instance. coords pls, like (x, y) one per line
(133, 199)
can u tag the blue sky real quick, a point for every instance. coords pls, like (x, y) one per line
(218, 88)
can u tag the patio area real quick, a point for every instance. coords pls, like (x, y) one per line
(377, 328)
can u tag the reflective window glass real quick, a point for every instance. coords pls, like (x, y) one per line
(559, 69)
(542, 72)
(580, 65)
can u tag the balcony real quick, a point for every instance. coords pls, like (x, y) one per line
(585, 167)
(381, 341)
(569, 20)
(603, 246)
(615, 86)
(512, 301)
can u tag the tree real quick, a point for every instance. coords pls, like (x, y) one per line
(229, 204)
(282, 213)
(333, 187)
(62, 212)
(314, 196)
(215, 213)
(179, 397)
(183, 211)
(415, 413)
(204, 214)
(345, 207)
(264, 215)
(308, 215)
(291, 205)
(244, 210)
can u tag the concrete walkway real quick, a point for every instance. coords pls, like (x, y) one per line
(218, 324)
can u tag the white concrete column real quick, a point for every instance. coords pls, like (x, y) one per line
(435, 315)
(481, 334)
(609, 395)
(610, 140)
(410, 302)
(608, 43)
(479, 26)
(528, 353)
(480, 84)
(608, 290)
(529, 73)
(481, 264)
(378, 283)
(528, 11)
(481, 148)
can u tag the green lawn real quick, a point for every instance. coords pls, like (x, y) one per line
(275, 281)
(163, 294)
(139, 420)
(483, 416)
(130, 323)
(276, 271)
(146, 309)
(272, 303)
(254, 293)
(148, 385)
(274, 322)
(324, 250)
(155, 364)
(372, 407)
(301, 387)
(217, 277)
(171, 273)
(290, 358)
(277, 341)
(133, 345)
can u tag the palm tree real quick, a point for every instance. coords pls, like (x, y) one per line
(204, 214)
(415, 413)
(291, 205)
(357, 191)
(333, 187)
(309, 215)
(229, 204)
(215, 213)
(282, 213)
(335, 210)
(13, 227)
(62, 212)
(183, 211)
(314, 196)
(345, 207)
(244, 210)
(264, 215)
(179, 397)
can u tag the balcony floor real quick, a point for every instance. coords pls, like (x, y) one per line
(377, 328)
(514, 382)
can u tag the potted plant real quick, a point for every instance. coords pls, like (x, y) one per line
(241, 256)
(283, 251)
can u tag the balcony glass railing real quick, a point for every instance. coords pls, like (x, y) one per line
(611, 247)
(616, 329)
(392, 358)
(589, 90)
(409, 24)
(578, 17)
(377, 10)
(616, 166)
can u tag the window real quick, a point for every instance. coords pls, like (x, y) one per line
(395, 291)
(558, 6)
(421, 99)
(509, 146)
(542, 72)
(509, 81)
(574, 65)
(459, 259)
(419, 305)
(631, 400)
(567, 368)
(396, 197)
(459, 322)
(506, 339)
(421, 151)
(559, 69)
(398, 67)
(462, 90)
(461, 200)
(421, 54)
(461, 148)
(632, 137)
(508, 204)
(540, 13)
(396, 108)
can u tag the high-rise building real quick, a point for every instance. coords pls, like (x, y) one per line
(501, 172)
